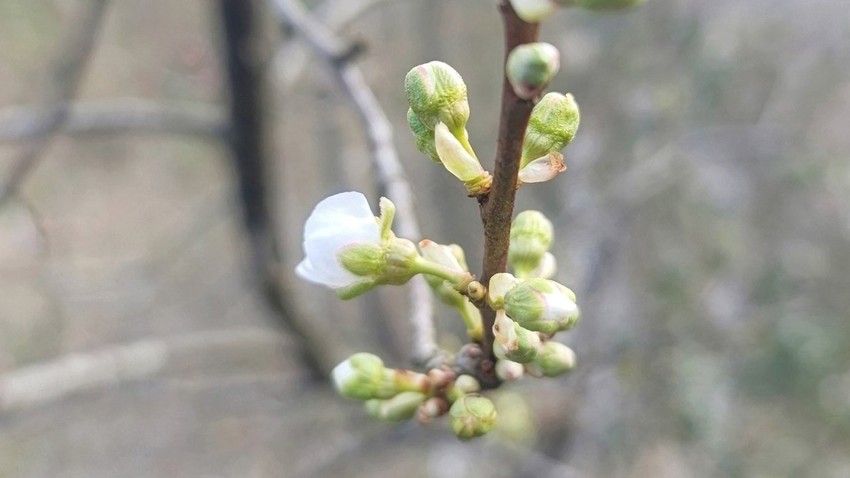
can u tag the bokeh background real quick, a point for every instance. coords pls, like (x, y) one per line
(704, 221)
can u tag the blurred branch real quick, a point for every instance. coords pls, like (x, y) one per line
(291, 58)
(390, 174)
(51, 381)
(243, 37)
(126, 115)
(64, 78)
(497, 207)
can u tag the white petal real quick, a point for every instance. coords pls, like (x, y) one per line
(340, 211)
(543, 168)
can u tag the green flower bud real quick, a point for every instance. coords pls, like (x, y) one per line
(606, 4)
(463, 385)
(401, 407)
(552, 125)
(508, 370)
(472, 416)
(530, 67)
(554, 359)
(362, 377)
(451, 257)
(533, 11)
(436, 93)
(500, 284)
(542, 305)
(546, 269)
(423, 136)
(514, 342)
(531, 236)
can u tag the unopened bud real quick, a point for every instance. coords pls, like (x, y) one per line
(423, 136)
(436, 93)
(530, 67)
(362, 377)
(533, 11)
(463, 385)
(499, 285)
(542, 305)
(458, 160)
(552, 125)
(513, 342)
(431, 408)
(508, 370)
(401, 407)
(472, 416)
(531, 236)
(554, 359)
(546, 269)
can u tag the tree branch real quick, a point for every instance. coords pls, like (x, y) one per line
(497, 207)
(390, 173)
(247, 141)
(120, 116)
(63, 80)
(50, 381)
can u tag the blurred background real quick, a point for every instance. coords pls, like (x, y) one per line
(704, 222)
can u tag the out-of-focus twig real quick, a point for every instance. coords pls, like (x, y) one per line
(64, 77)
(390, 174)
(242, 37)
(47, 382)
(291, 58)
(123, 115)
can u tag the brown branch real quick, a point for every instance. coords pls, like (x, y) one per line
(389, 171)
(119, 116)
(63, 80)
(497, 207)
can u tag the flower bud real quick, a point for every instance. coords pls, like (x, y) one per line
(472, 416)
(533, 11)
(451, 257)
(606, 4)
(530, 67)
(436, 93)
(542, 169)
(542, 305)
(362, 377)
(546, 269)
(430, 409)
(401, 407)
(554, 359)
(500, 284)
(509, 371)
(552, 125)
(463, 385)
(423, 136)
(531, 236)
(513, 342)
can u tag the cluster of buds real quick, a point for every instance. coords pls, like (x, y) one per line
(533, 11)
(531, 308)
(352, 251)
(395, 395)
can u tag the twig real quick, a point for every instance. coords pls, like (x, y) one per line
(388, 168)
(123, 115)
(242, 36)
(63, 81)
(497, 207)
(51, 381)
(291, 58)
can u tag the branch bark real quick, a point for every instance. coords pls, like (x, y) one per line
(120, 116)
(497, 207)
(64, 78)
(389, 171)
(247, 141)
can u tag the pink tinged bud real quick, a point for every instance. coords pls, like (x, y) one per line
(543, 169)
